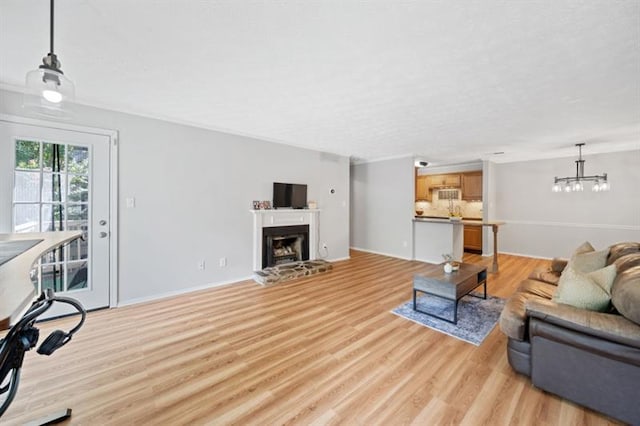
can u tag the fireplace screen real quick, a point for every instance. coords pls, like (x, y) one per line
(284, 244)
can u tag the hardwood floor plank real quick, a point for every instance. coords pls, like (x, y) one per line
(323, 349)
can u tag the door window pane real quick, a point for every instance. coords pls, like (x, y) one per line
(53, 157)
(54, 187)
(52, 277)
(78, 160)
(26, 217)
(78, 188)
(27, 187)
(77, 275)
(27, 155)
(54, 256)
(52, 217)
(79, 249)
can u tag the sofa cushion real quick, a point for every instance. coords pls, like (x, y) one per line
(619, 250)
(589, 262)
(627, 261)
(545, 274)
(537, 288)
(513, 320)
(626, 294)
(590, 291)
(614, 328)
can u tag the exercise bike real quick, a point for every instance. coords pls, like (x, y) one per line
(23, 337)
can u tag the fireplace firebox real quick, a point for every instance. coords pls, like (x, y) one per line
(284, 244)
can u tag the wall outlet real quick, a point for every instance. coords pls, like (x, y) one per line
(405, 244)
(130, 202)
(201, 265)
(223, 262)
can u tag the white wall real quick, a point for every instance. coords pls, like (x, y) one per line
(547, 224)
(193, 190)
(382, 199)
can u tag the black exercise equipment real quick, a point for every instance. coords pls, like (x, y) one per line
(23, 337)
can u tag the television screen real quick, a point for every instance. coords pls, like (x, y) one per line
(289, 195)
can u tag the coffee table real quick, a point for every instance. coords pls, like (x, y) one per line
(453, 286)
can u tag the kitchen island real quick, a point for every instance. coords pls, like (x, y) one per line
(433, 237)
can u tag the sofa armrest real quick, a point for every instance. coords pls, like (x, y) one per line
(612, 327)
(558, 264)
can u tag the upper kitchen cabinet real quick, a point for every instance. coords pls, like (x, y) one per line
(472, 186)
(444, 181)
(422, 188)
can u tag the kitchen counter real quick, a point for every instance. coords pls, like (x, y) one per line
(434, 236)
(471, 222)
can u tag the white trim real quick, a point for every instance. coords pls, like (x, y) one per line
(381, 253)
(56, 125)
(573, 225)
(525, 255)
(376, 160)
(174, 293)
(113, 218)
(113, 185)
(339, 259)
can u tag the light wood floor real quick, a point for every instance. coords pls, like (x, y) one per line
(320, 350)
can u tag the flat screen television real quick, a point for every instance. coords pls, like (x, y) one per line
(289, 195)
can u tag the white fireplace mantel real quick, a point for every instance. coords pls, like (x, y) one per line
(283, 217)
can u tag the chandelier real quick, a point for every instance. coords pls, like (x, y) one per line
(576, 183)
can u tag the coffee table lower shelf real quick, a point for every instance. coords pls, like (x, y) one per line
(451, 287)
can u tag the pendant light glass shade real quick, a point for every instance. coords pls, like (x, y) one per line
(48, 93)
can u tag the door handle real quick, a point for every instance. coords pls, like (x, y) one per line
(103, 235)
(103, 222)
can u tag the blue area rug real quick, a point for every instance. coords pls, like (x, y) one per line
(476, 317)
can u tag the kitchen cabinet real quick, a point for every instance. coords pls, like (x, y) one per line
(472, 186)
(473, 238)
(451, 180)
(423, 192)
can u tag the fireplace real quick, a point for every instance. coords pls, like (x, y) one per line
(266, 220)
(284, 244)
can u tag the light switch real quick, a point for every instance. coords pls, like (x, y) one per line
(131, 202)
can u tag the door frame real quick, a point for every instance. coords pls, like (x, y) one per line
(113, 186)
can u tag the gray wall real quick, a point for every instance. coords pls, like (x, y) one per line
(193, 190)
(382, 204)
(547, 224)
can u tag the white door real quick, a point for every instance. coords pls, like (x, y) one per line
(52, 180)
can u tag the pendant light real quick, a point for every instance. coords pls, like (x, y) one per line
(48, 90)
(576, 183)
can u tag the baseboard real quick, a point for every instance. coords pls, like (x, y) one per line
(525, 255)
(180, 292)
(380, 253)
(339, 259)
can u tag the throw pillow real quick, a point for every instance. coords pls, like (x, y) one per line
(585, 247)
(626, 294)
(589, 262)
(590, 291)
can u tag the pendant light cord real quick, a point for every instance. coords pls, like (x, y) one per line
(51, 28)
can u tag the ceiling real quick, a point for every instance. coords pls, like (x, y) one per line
(447, 81)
